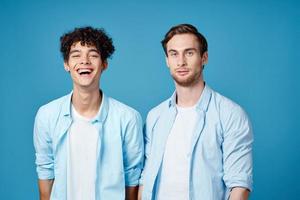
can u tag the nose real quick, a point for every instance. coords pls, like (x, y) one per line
(85, 60)
(181, 61)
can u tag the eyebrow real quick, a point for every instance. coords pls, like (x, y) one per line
(94, 50)
(188, 49)
(172, 50)
(78, 51)
(74, 51)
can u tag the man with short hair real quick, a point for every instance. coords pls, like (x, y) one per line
(88, 145)
(198, 143)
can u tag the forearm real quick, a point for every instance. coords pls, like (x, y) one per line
(239, 193)
(45, 188)
(131, 193)
(140, 192)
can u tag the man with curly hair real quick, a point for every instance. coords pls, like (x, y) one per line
(88, 146)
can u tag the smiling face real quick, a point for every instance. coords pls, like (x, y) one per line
(184, 59)
(85, 66)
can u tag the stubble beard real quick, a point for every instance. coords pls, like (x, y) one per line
(192, 80)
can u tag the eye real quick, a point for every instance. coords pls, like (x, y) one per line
(190, 53)
(94, 56)
(173, 54)
(75, 56)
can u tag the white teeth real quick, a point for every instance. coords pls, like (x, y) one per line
(84, 70)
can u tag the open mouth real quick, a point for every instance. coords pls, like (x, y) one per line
(84, 71)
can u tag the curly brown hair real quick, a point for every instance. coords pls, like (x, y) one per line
(87, 36)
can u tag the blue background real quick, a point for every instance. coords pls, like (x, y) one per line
(253, 59)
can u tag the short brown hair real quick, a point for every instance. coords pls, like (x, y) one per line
(182, 29)
(87, 36)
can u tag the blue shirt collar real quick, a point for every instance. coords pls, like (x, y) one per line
(202, 103)
(66, 107)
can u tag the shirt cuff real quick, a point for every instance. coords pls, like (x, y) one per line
(239, 180)
(132, 177)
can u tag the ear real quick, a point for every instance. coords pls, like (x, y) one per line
(67, 67)
(104, 65)
(205, 58)
(167, 62)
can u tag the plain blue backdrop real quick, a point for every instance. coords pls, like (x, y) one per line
(253, 59)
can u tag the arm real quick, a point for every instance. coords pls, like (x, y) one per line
(131, 193)
(237, 150)
(239, 193)
(45, 187)
(147, 144)
(133, 156)
(44, 157)
(140, 192)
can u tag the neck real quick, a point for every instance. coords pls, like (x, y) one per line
(86, 103)
(189, 96)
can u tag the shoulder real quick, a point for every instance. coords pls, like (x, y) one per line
(47, 116)
(230, 113)
(52, 108)
(225, 105)
(154, 114)
(124, 111)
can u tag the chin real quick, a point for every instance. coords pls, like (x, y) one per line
(187, 82)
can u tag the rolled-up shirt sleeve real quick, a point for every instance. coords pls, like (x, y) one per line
(43, 147)
(146, 134)
(237, 149)
(133, 151)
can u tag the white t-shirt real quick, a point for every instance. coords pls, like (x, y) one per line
(174, 177)
(82, 157)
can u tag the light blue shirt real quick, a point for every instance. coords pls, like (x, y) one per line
(220, 155)
(120, 151)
